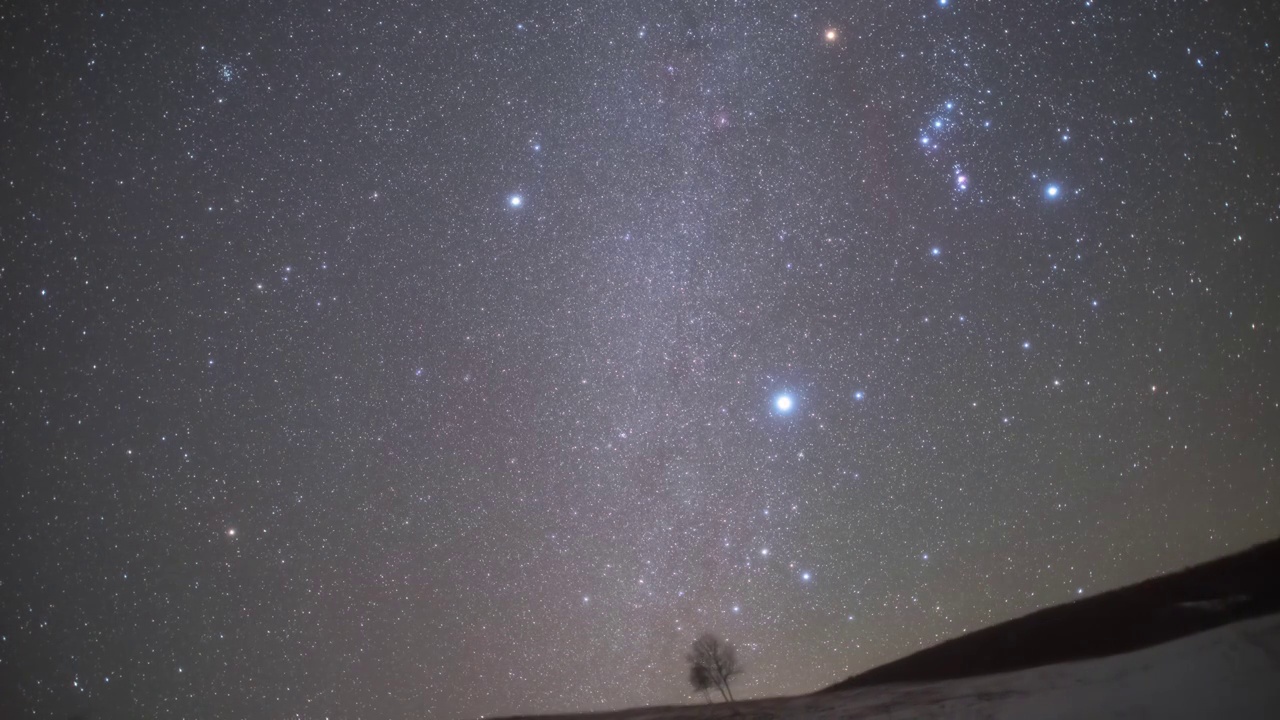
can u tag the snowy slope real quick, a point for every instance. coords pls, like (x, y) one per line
(1230, 672)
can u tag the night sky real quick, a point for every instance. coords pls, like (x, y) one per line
(391, 360)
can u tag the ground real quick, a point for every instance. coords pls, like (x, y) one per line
(1228, 672)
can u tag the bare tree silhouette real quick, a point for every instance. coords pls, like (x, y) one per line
(714, 661)
(700, 679)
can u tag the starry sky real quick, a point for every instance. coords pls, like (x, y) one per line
(449, 359)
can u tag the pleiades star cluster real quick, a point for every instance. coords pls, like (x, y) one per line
(455, 359)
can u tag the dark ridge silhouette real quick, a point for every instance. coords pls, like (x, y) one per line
(1199, 598)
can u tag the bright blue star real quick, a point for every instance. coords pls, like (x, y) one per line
(515, 201)
(935, 252)
(1052, 191)
(859, 395)
(924, 139)
(784, 403)
(942, 3)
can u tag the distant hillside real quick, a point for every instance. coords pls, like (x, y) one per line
(1155, 611)
(1226, 672)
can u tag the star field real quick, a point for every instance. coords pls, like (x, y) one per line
(460, 359)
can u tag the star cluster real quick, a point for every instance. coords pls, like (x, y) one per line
(458, 359)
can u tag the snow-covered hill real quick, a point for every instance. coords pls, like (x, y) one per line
(1232, 671)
